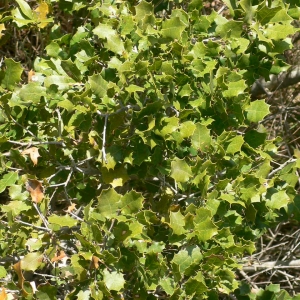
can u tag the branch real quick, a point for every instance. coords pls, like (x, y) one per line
(283, 80)
(280, 264)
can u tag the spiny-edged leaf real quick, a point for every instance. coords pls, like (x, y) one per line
(131, 202)
(113, 41)
(177, 222)
(62, 221)
(142, 10)
(265, 14)
(15, 193)
(67, 104)
(232, 29)
(168, 285)
(15, 207)
(235, 88)
(278, 200)
(8, 179)
(235, 144)
(114, 281)
(71, 69)
(180, 170)
(134, 88)
(257, 110)
(98, 85)
(205, 229)
(278, 31)
(62, 82)
(32, 261)
(201, 137)
(186, 129)
(25, 8)
(196, 285)
(32, 92)
(109, 203)
(12, 74)
(173, 28)
(116, 177)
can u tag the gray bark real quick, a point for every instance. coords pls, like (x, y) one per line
(283, 80)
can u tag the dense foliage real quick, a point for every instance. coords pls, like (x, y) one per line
(133, 161)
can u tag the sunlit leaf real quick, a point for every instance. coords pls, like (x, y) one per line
(114, 280)
(257, 110)
(180, 170)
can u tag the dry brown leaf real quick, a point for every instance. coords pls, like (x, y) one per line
(71, 207)
(34, 154)
(18, 270)
(59, 256)
(35, 188)
(31, 74)
(3, 295)
(95, 262)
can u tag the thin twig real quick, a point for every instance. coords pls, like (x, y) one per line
(104, 139)
(34, 226)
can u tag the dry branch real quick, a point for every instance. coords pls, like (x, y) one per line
(272, 265)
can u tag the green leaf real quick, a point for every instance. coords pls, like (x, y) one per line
(278, 200)
(257, 110)
(3, 272)
(62, 221)
(177, 222)
(67, 104)
(15, 193)
(278, 31)
(8, 180)
(235, 145)
(71, 69)
(196, 285)
(32, 92)
(205, 229)
(113, 41)
(131, 202)
(62, 82)
(114, 281)
(187, 129)
(15, 207)
(98, 85)
(134, 88)
(142, 10)
(235, 88)
(25, 9)
(180, 170)
(201, 139)
(109, 203)
(12, 74)
(32, 261)
(173, 28)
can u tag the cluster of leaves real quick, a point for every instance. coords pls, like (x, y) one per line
(137, 140)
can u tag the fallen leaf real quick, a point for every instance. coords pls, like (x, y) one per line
(18, 270)
(34, 187)
(34, 154)
(3, 295)
(59, 256)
